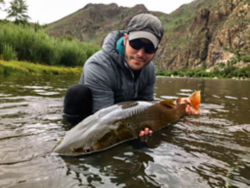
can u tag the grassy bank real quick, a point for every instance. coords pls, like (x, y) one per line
(228, 72)
(28, 43)
(26, 68)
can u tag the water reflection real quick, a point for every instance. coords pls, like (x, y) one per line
(121, 166)
(208, 150)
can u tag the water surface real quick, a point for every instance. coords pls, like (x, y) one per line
(208, 150)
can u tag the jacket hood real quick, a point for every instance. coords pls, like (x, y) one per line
(109, 46)
(109, 43)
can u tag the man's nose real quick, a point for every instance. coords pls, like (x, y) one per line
(141, 52)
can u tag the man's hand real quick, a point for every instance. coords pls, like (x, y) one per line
(144, 134)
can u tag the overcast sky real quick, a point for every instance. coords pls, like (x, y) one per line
(47, 11)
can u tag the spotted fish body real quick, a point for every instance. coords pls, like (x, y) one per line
(120, 123)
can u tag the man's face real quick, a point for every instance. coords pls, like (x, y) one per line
(137, 59)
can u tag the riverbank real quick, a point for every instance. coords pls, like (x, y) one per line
(26, 68)
(229, 72)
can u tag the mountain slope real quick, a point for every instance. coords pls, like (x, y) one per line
(200, 34)
(93, 22)
(215, 33)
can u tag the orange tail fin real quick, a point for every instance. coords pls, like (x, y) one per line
(195, 99)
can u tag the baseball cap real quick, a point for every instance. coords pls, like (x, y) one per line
(146, 26)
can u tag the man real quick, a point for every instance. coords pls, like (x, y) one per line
(122, 71)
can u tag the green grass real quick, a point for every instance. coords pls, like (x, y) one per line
(227, 72)
(13, 67)
(27, 43)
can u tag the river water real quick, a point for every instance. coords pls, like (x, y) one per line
(207, 150)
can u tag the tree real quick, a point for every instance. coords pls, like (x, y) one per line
(1, 2)
(18, 10)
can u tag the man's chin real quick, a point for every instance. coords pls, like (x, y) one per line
(136, 67)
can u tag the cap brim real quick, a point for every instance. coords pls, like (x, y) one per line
(144, 34)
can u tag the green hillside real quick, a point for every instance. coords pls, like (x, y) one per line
(203, 34)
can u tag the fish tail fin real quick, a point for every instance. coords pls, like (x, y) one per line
(195, 99)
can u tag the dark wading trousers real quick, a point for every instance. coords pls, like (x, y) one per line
(77, 103)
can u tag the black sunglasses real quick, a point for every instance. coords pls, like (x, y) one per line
(137, 44)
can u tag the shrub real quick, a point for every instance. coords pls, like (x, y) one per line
(228, 72)
(246, 58)
(70, 53)
(31, 44)
(8, 52)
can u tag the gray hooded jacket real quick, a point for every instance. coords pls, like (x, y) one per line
(111, 80)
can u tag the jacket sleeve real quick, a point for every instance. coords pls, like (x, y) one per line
(95, 77)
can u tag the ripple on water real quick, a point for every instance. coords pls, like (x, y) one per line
(209, 150)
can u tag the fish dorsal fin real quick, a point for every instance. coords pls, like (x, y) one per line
(123, 110)
(169, 103)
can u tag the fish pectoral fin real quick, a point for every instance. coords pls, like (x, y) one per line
(57, 144)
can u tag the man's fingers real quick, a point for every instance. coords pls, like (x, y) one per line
(141, 134)
(187, 109)
(188, 101)
(150, 132)
(144, 134)
(190, 110)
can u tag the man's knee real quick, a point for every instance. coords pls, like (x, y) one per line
(77, 103)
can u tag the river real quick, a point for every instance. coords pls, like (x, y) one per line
(207, 150)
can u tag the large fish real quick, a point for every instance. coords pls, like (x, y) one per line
(122, 122)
